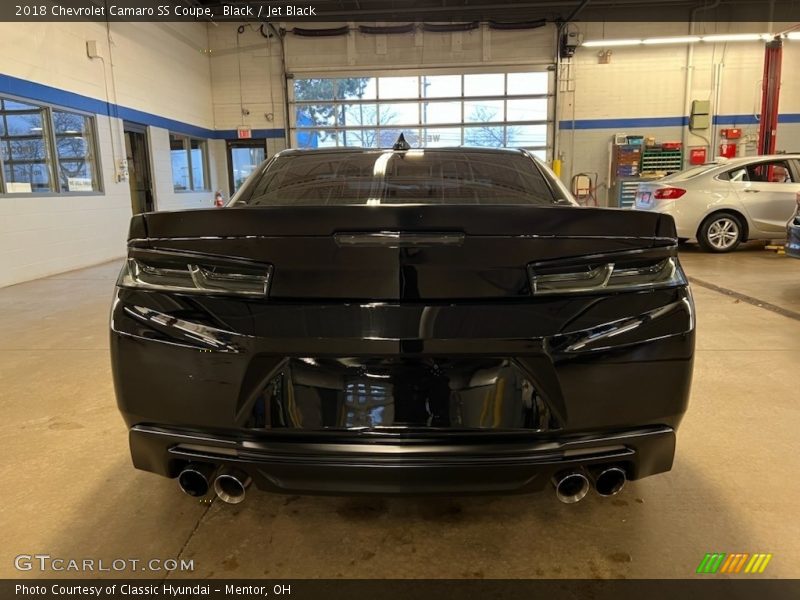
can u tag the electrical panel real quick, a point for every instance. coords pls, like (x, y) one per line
(701, 115)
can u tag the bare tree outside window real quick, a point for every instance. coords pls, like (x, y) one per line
(489, 136)
(76, 162)
(24, 150)
(46, 149)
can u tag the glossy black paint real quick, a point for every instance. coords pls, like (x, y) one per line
(345, 394)
(475, 384)
(498, 242)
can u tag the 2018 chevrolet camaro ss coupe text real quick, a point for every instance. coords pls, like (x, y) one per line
(402, 321)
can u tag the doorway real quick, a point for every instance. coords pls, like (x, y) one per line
(139, 177)
(243, 158)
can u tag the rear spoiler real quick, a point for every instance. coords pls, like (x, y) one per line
(138, 228)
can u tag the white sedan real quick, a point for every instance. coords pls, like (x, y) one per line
(725, 203)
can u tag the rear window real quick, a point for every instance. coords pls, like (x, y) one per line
(411, 177)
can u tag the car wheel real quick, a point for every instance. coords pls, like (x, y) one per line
(721, 232)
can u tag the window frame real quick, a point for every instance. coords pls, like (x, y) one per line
(784, 163)
(187, 148)
(792, 167)
(49, 138)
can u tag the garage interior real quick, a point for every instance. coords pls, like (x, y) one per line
(170, 114)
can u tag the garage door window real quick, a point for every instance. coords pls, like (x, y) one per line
(477, 109)
(46, 150)
(189, 163)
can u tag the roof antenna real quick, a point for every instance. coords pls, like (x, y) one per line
(401, 143)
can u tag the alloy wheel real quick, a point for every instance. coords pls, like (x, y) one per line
(723, 233)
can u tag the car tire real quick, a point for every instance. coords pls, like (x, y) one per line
(721, 232)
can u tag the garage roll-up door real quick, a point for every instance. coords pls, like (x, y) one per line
(497, 109)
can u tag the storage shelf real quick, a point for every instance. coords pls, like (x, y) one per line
(627, 193)
(630, 164)
(668, 161)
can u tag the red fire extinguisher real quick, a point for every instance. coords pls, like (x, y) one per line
(727, 150)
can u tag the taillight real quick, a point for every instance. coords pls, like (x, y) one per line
(190, 273)
(618, 275)
(668, 193)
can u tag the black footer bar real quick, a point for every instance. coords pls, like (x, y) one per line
(402, 589)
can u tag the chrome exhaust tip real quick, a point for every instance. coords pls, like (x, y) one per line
(610, 480)
(571, 486)
(195, 479)
(231, 486)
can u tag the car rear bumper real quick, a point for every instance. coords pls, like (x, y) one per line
(554, 384)
(421, 466)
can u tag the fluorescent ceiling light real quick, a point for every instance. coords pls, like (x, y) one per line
(609, 43)
(734, 37)
(691, 39)
(688, 39)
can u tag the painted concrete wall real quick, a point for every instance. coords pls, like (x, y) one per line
(161, 72)
(155, 64)
(650, 82)
(43, 235)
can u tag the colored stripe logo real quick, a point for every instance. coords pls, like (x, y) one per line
(719, 562)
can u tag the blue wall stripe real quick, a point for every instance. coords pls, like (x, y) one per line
(644, 122)
(736, 120)
(50, 95)
(625, 123)
(752, 120)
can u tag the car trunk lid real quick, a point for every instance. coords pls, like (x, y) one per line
(401, 252)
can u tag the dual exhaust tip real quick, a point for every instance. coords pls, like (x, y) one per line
(572, 486)
(230, 485)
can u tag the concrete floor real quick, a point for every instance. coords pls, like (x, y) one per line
(69, 489)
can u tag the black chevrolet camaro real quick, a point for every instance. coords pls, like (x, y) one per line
(402, 321)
